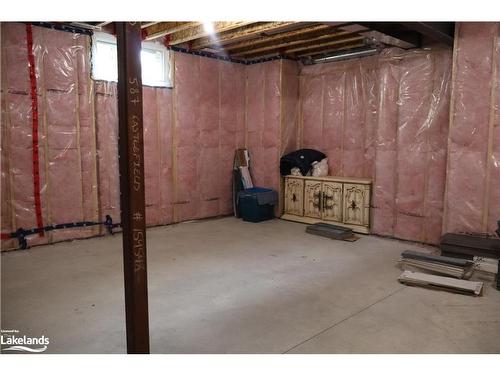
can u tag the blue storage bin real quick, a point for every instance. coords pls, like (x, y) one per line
(257, 204)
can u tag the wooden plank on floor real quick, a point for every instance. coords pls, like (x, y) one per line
(448, 283)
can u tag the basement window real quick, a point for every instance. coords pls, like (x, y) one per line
(155, 61)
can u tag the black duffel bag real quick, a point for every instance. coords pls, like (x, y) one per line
(301, 159)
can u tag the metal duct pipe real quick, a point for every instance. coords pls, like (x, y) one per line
(345, 56)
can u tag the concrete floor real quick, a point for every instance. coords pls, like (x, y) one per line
(226, 286)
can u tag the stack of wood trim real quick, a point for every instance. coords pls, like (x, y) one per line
(466, 245)
(474, 288)
(458, 268)
(330, 231)
(485, 268)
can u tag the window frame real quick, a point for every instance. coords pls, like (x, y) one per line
(167, 82)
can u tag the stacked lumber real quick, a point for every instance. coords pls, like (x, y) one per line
(457, 268)
(485, 268)
(474, 288)
(468, 246)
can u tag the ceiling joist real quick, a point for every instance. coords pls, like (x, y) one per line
(157, 30)
(293, 47)
(199, 31)
(245, 33)
(295, 43)
(319, 52)
(279, 38)
(338, 43)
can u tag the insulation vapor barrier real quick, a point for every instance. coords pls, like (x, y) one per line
(263, 122)
(191, 134)
(423, 125)
(385, 118)
(209, 126)
(48, 132)
(472, 201)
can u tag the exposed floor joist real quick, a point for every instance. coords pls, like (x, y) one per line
(160, 29)
(262, 39)
(245, 33)
(321, 52)
(305, 42)
(199, 31)
(304, 47)
(300, 34)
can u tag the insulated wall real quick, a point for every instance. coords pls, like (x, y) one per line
(59, 145)
(473, 176)
(385, 118)
(209, 126)
(263, 122)
(190, 133)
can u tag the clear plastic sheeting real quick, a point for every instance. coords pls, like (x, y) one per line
(209, 110)
(66, 133)
(263, 97)
(473, 178)
(385, 118)
(290, 108)
(106, 117)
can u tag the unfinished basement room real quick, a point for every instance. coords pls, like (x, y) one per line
(250, 187)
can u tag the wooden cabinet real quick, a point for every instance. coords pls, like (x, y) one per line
(332, 201)
(294, 196)
(312, 199)
(339, 200)
(356, 204)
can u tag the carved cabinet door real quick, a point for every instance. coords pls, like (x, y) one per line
(312, 198)
(356, 204)
(294, 196)
(332, 201)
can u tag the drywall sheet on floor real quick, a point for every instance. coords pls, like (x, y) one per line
(385, 118)
(65, 131)
(263, 122)
(473, 175)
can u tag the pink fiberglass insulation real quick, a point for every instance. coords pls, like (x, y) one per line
(152, 156)
(289, 98)
(65, 131)
(157, 119)
(17, 142)
(263, 119)
(187, 137)
(342, 127)
(63, 62)
(472, 197)
(385, 118)
(209, 127)
(494, 198)
(106, 118)
(232, 127)
(165, 174)
(208, 161)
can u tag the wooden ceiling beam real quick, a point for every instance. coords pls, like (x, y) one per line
(200, 32)
(160, 29)
(263, 41)
(326, 50)
(148, 24)
(292, 47)
(340, 42)
(305, 41)
(245, 33)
